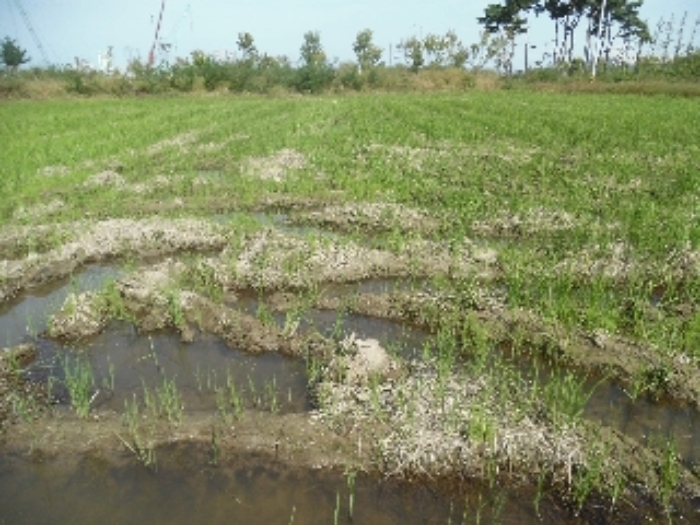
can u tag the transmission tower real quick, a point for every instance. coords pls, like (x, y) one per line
(30, 27)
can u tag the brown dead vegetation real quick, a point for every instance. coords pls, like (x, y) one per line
(276, 166)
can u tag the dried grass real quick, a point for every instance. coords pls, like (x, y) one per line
(432, 425)
(275, 167)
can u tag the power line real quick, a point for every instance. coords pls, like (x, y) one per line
(14, 21)
(35, 37)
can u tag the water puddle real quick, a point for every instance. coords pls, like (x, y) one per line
(400, 339)
(24, 318)
(378, 286)
(650, 423)
(186, 489)
(124, 363)
(647, 421)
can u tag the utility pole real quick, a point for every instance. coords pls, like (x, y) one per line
(152, 54)
(600, 35)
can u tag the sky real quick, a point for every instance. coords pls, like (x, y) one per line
(85, 28)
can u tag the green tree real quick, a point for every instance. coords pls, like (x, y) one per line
(242, 74)
(508, 17)
(316, 73)
(492, 47)
(445, 50)
(368, 55)
(12, 55)
(413, 53)
(312, 53)
(246, 45)
(621, 20)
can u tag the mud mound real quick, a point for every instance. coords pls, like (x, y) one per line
(39, 211)
(420, 158)
(425, 422)
(271, 259)
(103, 240)
(54, 171)
(363, 360)
(81, 316)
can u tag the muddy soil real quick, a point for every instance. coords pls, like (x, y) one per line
(103, 240)
(17, 395)
(598, 352)
(375, 412)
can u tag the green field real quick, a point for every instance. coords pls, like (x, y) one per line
(563, 228)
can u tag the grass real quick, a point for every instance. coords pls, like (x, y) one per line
(589, 202)
(138, 444)
(669, 475)
(229, 400)
(80, 382)
(164, 401)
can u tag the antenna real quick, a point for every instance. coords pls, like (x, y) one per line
(152, 53)
(35, 37)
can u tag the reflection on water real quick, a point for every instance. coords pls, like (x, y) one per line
(185, 490)
(26, 317)
(124, 362)
(650, 423)
(401, 339)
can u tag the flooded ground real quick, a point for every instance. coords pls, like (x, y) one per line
(228, 309)
(649, 422)
(211, 380)
(25, 317)
(244, 490)
(123, 362)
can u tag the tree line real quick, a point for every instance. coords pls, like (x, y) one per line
(605, 23)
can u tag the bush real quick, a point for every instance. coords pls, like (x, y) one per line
(182, 76)
(11, 86)
(265, 74)
(348, 76)
(314, 78)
